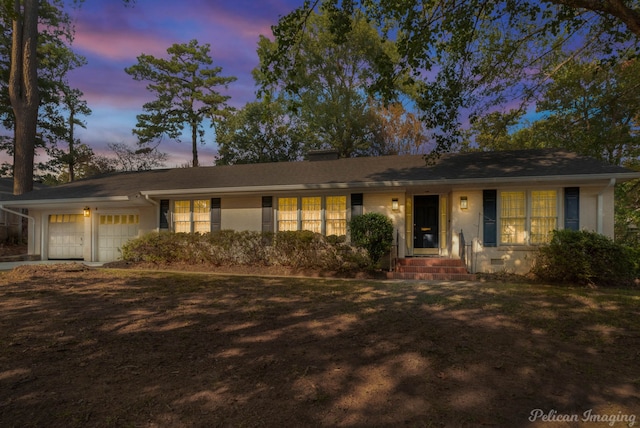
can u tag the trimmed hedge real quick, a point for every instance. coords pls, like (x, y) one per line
(586, 258)
(300, 250)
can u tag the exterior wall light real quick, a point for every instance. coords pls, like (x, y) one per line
(86, 211)
(394, 204)
(464, 203)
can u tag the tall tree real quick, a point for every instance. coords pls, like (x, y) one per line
(56, 170)
(23, 90)
(593, 108)
(327, 87)
(402, 131)
(185, 89)
(55, 60)
(57, 126)
(589, 107)
(76, 107)
(503, 131)
(126, 158)
(87, 163)
(61, 106)
(470, 55)
(28, 20)
(263, 131)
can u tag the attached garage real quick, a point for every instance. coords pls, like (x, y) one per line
(66, 236)
(113, 231)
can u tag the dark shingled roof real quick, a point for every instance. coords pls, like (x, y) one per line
(472, 166)
(6, 187)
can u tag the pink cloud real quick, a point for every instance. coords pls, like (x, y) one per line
(111, 36)
(118, 46)
(109, 32)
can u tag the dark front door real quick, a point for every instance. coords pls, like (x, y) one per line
(425, 227)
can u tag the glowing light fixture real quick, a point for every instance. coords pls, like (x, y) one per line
(394, 204)
(464, 203)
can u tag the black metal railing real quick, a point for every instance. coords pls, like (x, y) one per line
(462, 249)
(394, 254)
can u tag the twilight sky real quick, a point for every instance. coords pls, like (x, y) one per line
(111, 36)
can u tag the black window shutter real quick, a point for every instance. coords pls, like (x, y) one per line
(216, 214)
(490, 223)
(572, 208)
(164, 214)
(267, 213)
(357, 202)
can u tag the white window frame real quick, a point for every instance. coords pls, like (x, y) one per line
(190, 217)
(301, 219)
(528, 218)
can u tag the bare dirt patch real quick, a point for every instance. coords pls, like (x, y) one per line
(101, 347)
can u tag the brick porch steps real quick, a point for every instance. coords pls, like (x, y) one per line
(431, 269)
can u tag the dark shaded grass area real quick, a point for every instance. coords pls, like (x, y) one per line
(84, 347)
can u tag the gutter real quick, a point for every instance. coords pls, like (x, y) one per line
(28, 217)
(600, 214)
(151, 201)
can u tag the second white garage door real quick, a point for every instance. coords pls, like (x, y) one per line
(113, 231)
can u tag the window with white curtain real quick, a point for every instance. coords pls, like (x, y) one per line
(327, 215)
(528, 217)
(513, 217)
(182, 216)
(287, 214)
(544, 215)
(311, 214)
(192, 216)
(336, 215)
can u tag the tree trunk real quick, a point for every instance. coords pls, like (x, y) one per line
(194, 142)
(23, 91)
(72, 155)
(621, 10)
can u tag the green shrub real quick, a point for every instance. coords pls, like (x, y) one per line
(153, 247)
(585, 258)
(300, 250)
(296, 249)
(228, 247)
(373, 232)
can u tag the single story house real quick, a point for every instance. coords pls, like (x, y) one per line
(496, 206)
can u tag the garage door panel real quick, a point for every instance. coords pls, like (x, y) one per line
(114, 230)
(66, 236)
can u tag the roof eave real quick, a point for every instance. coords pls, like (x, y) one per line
(26, 203)
(475, 182)
(393, 184)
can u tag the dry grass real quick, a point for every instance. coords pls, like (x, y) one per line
(95, 347)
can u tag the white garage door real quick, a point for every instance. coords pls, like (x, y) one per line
(66, 236)
(113, 231)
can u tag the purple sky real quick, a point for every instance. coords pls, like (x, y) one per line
(111, 36)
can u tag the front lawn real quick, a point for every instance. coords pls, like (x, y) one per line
(102, 347)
